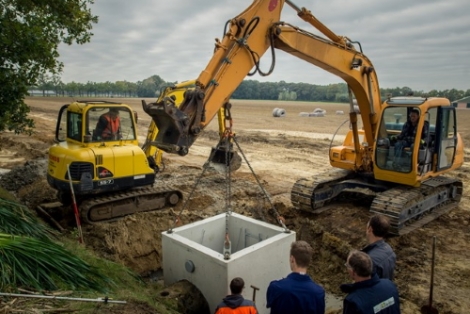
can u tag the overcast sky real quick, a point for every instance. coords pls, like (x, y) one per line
(422, 44)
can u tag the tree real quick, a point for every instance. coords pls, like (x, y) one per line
(45, 84)
(30, 34)
(57, 85)
(150, 87)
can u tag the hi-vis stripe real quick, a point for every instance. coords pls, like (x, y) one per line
(383, 305)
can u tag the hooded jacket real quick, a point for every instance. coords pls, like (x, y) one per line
(236, 304)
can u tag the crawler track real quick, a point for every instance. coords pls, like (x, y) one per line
(312, 194)
(410, 208)
(117, 205)
(407, 207)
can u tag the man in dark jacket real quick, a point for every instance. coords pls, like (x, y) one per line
(368, 294)
(408, 133)
(380, 252)
(297, 293)
(235, 303)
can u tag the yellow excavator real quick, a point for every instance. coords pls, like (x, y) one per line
(112, 177)
(408, 184)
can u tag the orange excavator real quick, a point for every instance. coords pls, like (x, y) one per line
(408, 184)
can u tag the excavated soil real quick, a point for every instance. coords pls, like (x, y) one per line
(279, 150)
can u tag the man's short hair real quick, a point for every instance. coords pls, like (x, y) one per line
(380, 225)
(302, 253)
(115, 110)
(361, 263)
(414, 110)
(236, 285)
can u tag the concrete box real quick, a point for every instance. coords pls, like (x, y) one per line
(259, 254)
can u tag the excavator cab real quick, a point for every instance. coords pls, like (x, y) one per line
(432, 148)
(396, 153)
(78, 122)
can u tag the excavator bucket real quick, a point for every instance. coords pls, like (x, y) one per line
(171, 123)
(219, 156)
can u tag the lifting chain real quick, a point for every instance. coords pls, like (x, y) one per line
(278, 217)
(228, 138)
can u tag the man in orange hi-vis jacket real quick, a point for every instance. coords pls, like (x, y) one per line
(108, 127)
(235, 303)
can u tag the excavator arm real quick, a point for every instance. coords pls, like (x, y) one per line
(248, 37)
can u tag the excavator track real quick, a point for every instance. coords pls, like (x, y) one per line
(312, 194)
(410, 208)
(117, 205)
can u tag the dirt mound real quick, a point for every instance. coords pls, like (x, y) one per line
(28, 183)
(23, 175)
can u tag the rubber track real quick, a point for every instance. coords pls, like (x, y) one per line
(123, 197)
(410, 208)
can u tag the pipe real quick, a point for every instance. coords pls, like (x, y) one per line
(104, 300)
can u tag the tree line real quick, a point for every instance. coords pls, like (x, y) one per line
(29, 41)
(248, 89)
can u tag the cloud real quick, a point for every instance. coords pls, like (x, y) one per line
(422, 44)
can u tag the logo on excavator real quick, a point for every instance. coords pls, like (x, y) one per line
(104, 173)
(272, 5)
(53, 158)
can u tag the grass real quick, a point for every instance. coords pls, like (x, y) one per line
(4, 194)
(127, 286)
(123, 284)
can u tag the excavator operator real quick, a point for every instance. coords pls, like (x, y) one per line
(108, 126)
(408, 133)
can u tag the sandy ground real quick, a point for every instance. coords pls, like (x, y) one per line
(280, 151)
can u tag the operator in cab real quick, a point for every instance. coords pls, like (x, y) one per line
(408, 133)
(109, 125)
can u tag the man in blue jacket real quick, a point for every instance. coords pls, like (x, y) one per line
(380, 252)
(297, 293)
(368, 294)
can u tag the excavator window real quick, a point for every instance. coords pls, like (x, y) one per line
(74, 126)
(125, 131)
(61, 127)
(393, 152)
(447, 141)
